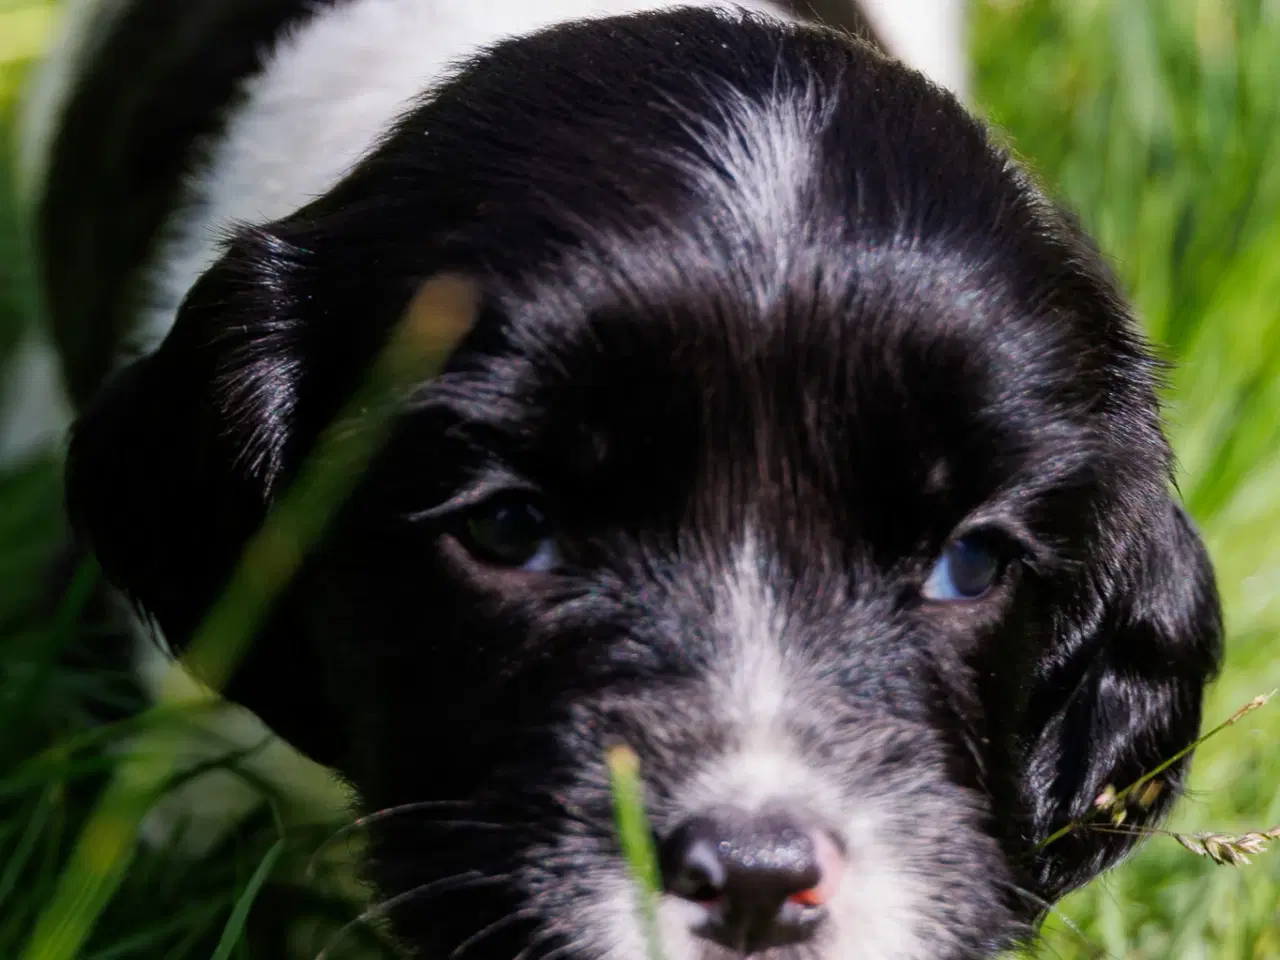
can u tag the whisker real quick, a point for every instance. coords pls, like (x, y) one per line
(387, 813)
(1052, 910)
(540, 937)
(416, 807)
(459, 881)
(562, 950)
(494, 927)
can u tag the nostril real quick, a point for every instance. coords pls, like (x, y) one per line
(693, 864)
(763, 880)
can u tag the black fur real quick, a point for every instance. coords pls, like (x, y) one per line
(930, 346)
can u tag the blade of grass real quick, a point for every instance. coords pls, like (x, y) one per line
(235, 923)
(56, 761)
(143, 942)
(1116, 799)
(33, 825)
(53, 640)
(636, 839)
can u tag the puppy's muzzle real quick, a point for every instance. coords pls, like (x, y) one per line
(762, 881)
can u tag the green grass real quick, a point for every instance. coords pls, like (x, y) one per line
(1159, 122)
(635, 837)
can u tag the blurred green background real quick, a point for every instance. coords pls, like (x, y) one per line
(1158, 121)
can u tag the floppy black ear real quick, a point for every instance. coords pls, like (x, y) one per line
(1127, 698)
(173, 465)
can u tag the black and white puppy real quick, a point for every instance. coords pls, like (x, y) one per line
(800, 443)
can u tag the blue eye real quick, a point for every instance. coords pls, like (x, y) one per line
(965, 571)
(512, 533)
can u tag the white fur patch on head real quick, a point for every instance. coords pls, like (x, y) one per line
(763, 164)
(765, 155)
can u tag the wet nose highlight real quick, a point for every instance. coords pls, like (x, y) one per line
(762, 880)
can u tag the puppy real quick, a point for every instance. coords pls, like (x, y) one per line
(799, 443)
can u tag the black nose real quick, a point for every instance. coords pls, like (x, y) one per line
(756, 876)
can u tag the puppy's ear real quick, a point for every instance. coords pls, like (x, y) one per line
(177, 461)
(1125, 698)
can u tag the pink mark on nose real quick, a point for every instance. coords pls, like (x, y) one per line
(831, 864)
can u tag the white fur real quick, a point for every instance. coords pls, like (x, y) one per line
(767, 158)
(877, 907)
(766, 165)
(928, 34)
(334, 87)
(754, 676)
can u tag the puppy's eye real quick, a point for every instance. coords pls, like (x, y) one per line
(966, 570)
(511, 533)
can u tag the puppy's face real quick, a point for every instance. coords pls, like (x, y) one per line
(811, 455)
(801, 556)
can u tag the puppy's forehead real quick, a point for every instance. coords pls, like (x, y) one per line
(780, 269)
(829, 285)
(850, 381)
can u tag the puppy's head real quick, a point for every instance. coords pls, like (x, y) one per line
(799, 444)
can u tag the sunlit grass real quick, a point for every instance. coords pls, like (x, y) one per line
(24, 30)
(1159, 122)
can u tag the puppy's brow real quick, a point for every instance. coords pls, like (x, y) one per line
(488, 483)
(1006, 520)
